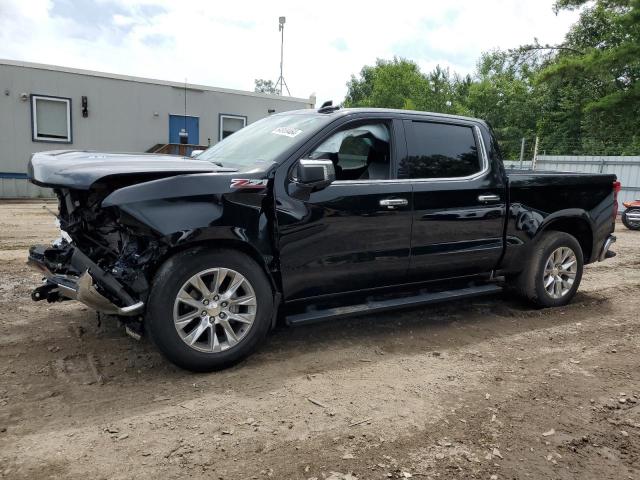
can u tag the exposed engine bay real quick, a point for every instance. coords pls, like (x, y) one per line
(101, 244)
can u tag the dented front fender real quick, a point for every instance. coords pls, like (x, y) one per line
(201, 207)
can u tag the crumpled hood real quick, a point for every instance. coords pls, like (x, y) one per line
(81, 169)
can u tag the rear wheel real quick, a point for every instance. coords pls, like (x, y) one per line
(554, 270)
(209, 309)
(631, 224)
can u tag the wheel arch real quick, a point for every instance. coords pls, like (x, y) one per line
(577, 225)
(230, 244)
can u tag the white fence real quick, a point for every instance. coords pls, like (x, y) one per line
(627, 169)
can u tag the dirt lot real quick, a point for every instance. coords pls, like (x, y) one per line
(481, 389)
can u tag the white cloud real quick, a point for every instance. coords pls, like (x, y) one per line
(123, 20)
(228, 44)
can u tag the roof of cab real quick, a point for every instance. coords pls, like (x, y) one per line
(339, 112)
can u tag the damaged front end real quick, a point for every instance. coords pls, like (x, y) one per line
(100, 260)
(79, 283)
(123, 215)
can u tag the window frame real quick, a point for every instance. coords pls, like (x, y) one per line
(34, 119)
(222, 116)
(477, 134)
(355, 123)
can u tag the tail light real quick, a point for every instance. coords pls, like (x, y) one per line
(616, 188)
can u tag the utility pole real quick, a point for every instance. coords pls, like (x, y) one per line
(521, 153)
(535, 155)
(281, 82)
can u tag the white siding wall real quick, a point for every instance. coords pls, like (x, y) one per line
(126, 114)
(19, 188)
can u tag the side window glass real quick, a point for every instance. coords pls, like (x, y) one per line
(359, 153)
(438, 150)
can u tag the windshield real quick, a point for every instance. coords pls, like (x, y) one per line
(260, 143)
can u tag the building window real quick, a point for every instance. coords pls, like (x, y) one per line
(230, 124)
(50, 119)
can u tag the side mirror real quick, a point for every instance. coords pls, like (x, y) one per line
(195, 153)
(317, 174)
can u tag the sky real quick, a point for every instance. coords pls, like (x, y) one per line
(229, 44)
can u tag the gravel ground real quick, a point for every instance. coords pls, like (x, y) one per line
(487, 389)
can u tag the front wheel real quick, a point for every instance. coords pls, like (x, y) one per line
(631, 218)
(209, 309)
(553, 272)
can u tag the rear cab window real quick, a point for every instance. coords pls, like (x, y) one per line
(439, 151)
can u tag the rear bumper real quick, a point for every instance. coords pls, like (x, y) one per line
(81, 280)
(605, 252)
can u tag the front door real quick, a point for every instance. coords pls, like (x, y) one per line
(354, 234)
(190, 124)
(459, 202)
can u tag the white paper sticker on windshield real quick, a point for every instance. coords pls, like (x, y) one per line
(287, 131)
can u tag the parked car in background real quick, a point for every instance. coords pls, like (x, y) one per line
(310, 215)
(631, 216)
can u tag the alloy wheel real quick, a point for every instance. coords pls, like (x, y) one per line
(560, 272)
(214, 310)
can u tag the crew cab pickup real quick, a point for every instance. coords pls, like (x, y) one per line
(309, 215)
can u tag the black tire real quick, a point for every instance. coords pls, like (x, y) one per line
(530, 283)
(627, 223)
(168, 282)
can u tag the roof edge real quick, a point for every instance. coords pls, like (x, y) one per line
(130, 78)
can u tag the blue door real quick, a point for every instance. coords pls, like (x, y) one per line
(190, 124)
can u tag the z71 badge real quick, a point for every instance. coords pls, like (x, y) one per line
(248, 183)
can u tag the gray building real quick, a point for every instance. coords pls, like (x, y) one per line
(46, 107)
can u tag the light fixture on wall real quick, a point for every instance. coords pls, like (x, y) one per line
(85, 107)
(7, 92)
(24, 97)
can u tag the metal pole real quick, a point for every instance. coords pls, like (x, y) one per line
(281, 58)
(521, 153)
(535, 155)
(281, 81)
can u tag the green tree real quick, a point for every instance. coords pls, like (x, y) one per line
(594, 88)
(396, 83)
(580, 97)
(265, 86)
(502, 93)
(399, 83)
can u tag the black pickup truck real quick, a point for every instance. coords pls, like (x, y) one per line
(309, 215)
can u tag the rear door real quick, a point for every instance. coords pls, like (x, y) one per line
(459, 201)
(355, 234)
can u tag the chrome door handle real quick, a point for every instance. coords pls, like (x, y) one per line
(488, 198)
(394, 202)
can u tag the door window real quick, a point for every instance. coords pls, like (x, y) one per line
(358, 153)
(439, 150)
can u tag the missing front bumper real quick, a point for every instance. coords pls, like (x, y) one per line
(79, 286)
